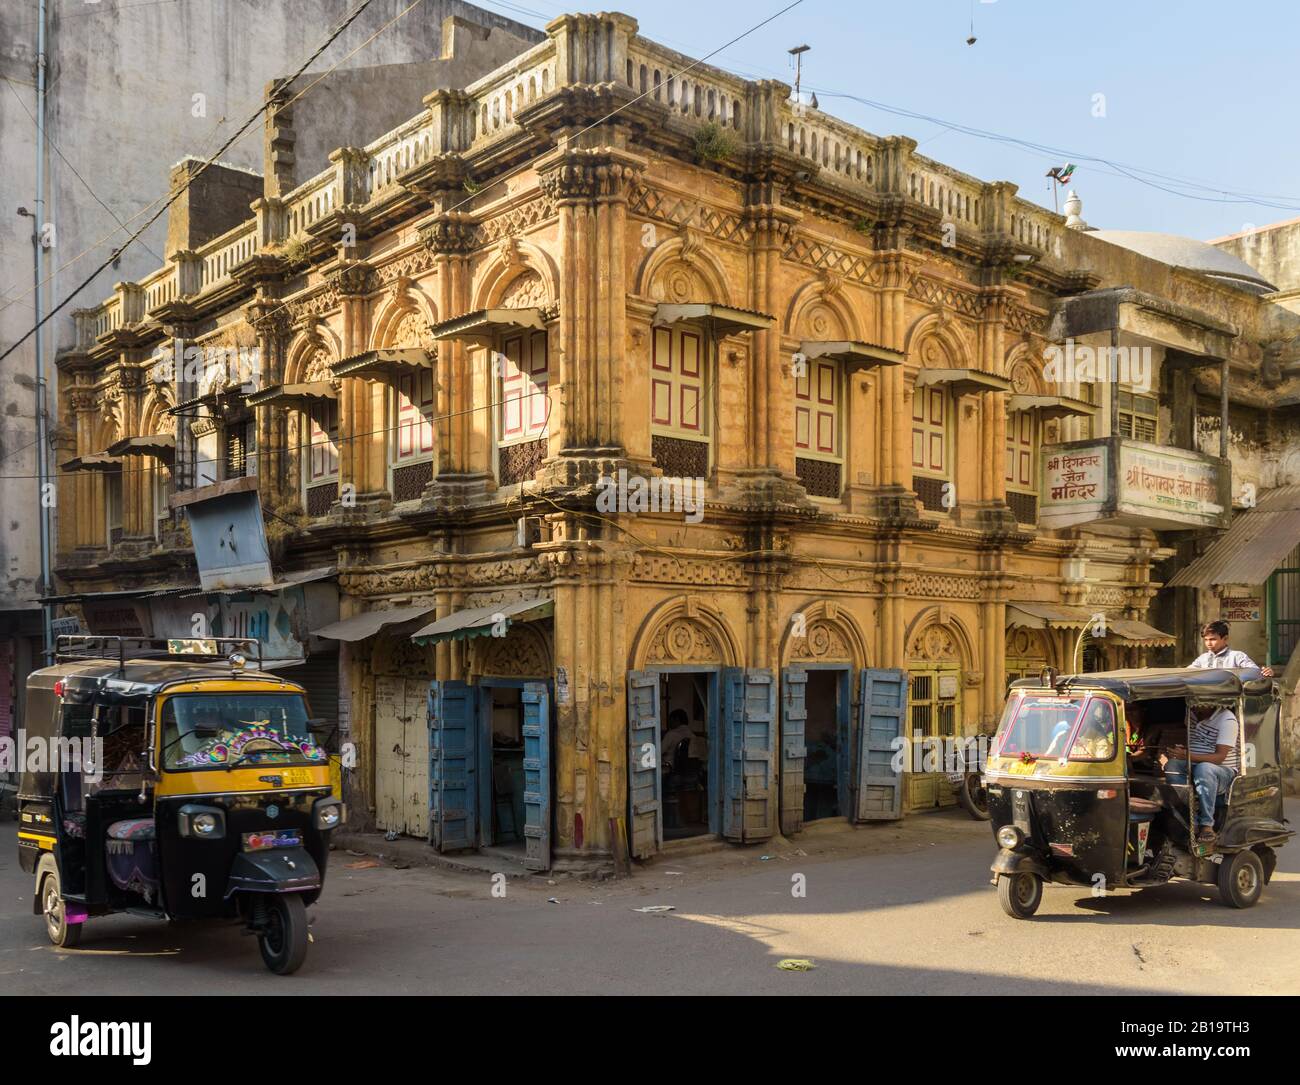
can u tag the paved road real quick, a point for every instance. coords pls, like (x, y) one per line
(914, 916)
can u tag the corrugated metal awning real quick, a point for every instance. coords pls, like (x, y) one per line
(361, 626)
(852, 354)
(385, 364)
(1253, 546)
(482, 325)
(160, 446)
(1052, 406)
(480, 621)
(963, 381)
(293, 395)
(723, 319)
(1047, 616)
(96, 461)
(1127, 631)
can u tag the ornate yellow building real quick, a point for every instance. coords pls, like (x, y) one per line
(607, 258)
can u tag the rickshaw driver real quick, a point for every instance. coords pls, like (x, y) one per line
(1214, 762)
(1097, 735)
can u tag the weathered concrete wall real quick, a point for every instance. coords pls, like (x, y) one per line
(1273, 251)
(352, 107)
(216, 200)
(134, 90)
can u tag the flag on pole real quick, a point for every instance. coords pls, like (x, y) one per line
(1061, 174)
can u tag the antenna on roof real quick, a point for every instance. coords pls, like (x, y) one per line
(797, 55)
(971, 39)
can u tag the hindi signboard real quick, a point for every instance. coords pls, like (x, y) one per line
(1075, 484)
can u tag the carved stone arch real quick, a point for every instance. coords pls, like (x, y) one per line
(511, 269)
(935, 341)
(1023, 643)
(670, 272)
(401, 657)
(524, 652)
(819, 312)
(406, 320)
(831, 635)
(935, 635)
(154, 419)
(682, 630)
(1021, 370)
(310, 356)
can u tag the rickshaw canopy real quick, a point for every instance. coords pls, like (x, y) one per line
(1150, 684)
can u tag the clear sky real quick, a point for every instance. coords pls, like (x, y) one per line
(1204, 91)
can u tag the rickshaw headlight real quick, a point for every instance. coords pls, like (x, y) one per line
(329, 815)
(1010, 837)
(204, 822)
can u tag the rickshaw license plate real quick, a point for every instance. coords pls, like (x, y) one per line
(295, 777)
(275, 838)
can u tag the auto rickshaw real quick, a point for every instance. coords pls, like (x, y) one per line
(1078, 795)
(173, 784)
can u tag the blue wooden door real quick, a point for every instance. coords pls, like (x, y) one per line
(453, 756)
(749, 755)
(645, 814)
(536, 700)
(794, 718)
(882, 721)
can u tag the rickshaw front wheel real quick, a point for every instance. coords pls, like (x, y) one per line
(1241, 879)
(62, 933)
(283, 941)
(1020, 894)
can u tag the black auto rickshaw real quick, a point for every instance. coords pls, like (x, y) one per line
(1079, 797)
(173, 784)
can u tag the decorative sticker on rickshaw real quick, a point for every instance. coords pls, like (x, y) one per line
(257, 738)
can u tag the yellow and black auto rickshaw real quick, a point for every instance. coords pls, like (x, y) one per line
(166, 781)
(1079, 796)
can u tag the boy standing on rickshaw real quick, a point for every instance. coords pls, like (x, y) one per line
(1218, 656)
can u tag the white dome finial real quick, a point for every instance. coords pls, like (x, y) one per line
(1073, 209)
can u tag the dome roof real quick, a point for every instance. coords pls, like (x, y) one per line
(1190, 255)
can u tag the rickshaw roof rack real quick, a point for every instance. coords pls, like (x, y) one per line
(1153, 683)
(69, 648)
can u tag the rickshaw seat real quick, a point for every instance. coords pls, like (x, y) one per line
(132, 829)
(1139, 805)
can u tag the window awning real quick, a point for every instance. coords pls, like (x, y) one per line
(361, 626)
(293, 395)
(723, 319)
(385, 364)
(963, 381)
(1254, 545)
(1046, 616)
(481, 621)
(96, 461)
(211, 400)
(1052, 406)
(854, 355)
(481, 325)
(161, 447)
(1127, 631)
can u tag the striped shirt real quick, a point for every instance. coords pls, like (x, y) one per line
(1219, 729)
(1225, 659)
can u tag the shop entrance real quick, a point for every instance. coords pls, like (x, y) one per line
(685, 754)
(501, 808)
(827, 745)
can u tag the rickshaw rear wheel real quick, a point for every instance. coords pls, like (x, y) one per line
(283, 941)
(61, 933)
(1241, 879)
(974, 797)
(1020, 894)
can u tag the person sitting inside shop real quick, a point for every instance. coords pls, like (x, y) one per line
(1213, 759)
(1218, 656)
(678, 728)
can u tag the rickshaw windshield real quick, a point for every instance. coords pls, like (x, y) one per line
(1041, 726)
(226, 730)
